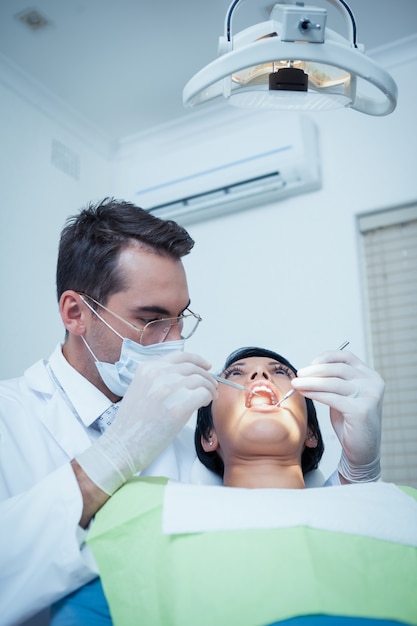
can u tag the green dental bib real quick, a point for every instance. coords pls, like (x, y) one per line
(242, 577)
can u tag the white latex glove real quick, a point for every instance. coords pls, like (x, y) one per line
(163, 395)
(354, 393)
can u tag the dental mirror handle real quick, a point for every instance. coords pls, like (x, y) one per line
(287, 395)
(290, 393)
(230, 383)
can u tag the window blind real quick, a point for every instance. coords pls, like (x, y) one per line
(389, 249)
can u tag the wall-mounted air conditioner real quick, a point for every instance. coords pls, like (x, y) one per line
(248, 162)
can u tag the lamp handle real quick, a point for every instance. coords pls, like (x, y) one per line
(340, 5)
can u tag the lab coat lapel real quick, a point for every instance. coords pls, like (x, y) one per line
(55, 413)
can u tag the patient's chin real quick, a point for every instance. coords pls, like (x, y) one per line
(270, 437)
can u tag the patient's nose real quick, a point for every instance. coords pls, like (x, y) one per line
(259, 372)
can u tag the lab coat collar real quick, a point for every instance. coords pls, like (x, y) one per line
(68, 429)
(88, 402)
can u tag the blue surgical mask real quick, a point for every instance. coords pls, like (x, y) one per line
(118, 376)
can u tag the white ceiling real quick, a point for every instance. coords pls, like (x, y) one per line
(121, 65)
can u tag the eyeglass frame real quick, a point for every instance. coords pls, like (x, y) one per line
(142, 330)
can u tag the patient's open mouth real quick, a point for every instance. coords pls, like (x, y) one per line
(265, 394)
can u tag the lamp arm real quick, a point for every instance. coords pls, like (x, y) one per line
(228, 20)
(340, 5)
(345, 10)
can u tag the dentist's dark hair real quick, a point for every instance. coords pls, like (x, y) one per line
(310, 457)
(91, 243)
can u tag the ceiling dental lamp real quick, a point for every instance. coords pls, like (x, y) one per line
(294, 62)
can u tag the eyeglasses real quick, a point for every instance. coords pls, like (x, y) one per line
(155, 331)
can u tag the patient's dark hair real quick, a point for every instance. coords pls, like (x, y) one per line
(310, 457)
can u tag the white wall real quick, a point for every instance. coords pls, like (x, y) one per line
(288, 273)
(36, 199)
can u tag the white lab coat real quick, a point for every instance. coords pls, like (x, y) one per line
(42, 548)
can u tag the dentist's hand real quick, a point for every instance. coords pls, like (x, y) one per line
(160, 400)
(354, 393)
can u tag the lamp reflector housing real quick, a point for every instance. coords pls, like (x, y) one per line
(294, 38)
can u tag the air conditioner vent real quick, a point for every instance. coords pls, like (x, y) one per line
(242, 191)
(245, 167)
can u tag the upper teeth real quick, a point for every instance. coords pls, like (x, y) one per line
(262, 388)
(265, 390)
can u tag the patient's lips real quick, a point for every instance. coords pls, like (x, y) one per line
(265, 394)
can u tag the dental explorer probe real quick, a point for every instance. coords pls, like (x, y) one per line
(225, 381)
(289, 393)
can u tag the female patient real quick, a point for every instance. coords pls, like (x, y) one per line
(250, 441)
